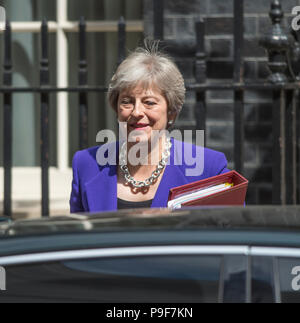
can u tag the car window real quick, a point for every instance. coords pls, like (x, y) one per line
(234, 271)
(153, 279)
(262, 279)
(125, 279)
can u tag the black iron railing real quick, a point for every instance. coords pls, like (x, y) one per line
(44, 82)
(282, 82)
(7, 97)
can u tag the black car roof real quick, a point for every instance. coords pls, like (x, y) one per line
(250, 217)
(256, 225)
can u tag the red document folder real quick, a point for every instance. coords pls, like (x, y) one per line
(234, 195)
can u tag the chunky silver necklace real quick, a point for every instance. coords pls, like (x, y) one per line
(155, 174)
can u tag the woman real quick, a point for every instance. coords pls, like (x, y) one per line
(147, 92)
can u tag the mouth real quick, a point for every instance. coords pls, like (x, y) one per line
(139, 126)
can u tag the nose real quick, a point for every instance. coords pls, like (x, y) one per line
(138, 109)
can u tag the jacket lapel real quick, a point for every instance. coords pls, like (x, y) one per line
(172, 177)
(101, 191)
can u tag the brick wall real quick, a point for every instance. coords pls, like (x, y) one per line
(179, 19)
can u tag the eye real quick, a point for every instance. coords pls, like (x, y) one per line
(126, 101)
(150, 103)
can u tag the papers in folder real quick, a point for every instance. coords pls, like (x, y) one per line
(199, 193)
(225, 189)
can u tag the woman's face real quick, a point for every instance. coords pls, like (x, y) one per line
(144, 110)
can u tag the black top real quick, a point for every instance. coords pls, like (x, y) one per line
(122, 204)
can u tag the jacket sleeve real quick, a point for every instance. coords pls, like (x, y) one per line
(75, 199)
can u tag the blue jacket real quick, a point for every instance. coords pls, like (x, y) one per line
(94, 187)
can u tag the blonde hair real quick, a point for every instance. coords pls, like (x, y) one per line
(149, 67)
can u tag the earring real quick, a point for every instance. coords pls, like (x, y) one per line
(171, 116)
